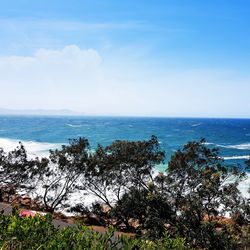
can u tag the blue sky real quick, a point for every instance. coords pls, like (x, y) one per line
(156, 58)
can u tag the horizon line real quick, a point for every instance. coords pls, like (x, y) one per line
(125, 116)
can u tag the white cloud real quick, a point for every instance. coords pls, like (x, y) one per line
(68, 78)
(82, 80)
(48, 75)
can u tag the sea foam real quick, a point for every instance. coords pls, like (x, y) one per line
(237, 157)
(33, 148)
(243, 146)
(196, 124)
(75, 125)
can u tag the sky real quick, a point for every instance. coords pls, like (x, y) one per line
(177, 58)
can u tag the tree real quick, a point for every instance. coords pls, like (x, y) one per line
(17, 172)
(119, 170)
(198, 188)
(122, 165)
(149, 208)
(132, 205)
(60, 175)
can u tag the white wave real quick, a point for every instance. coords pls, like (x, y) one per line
(238, 157)
(209, 143)
(244, 186)
(88, 198)
(33, 148)
(74, 125)
(243, 146)
(196, 124)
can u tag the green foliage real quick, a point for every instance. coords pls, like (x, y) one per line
(133, 204)
(187, 201)
(197, 185)
(159, 215)
(39, 233)
(164, 243)
(25, 233)
(120, 167)
(16, 170)
(59, 176)
(148, 207)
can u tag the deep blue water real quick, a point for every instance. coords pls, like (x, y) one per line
(232, 136)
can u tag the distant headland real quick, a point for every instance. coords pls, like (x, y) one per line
(40, 112)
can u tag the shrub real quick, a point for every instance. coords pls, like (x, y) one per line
(39, 233)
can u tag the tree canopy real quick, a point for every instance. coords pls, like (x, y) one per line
(196, 198)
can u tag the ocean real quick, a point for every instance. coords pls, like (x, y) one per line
(40, 133)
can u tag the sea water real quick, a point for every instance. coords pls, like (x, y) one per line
(41, 133)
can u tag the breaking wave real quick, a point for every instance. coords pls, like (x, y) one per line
(33, 148)
(238, 157)
(196, 124)
(74, 125)
(244, 186)
(243, 146)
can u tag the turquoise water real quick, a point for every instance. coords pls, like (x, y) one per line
(231, 136)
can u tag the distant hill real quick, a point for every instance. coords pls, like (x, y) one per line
(60, 112)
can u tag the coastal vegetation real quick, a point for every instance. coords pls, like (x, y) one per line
(39, 233)
(194, 204)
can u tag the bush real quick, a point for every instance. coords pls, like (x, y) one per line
(39, 233)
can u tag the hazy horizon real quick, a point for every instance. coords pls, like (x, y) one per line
(156, 59)
(69, 113)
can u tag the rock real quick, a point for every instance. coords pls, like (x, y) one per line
(1, 195)
(105, 208)
(14, 199)
(134, 223)
(7, 192)
(25, 201)
(122, 226)
(93, 219)
(36, 204)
